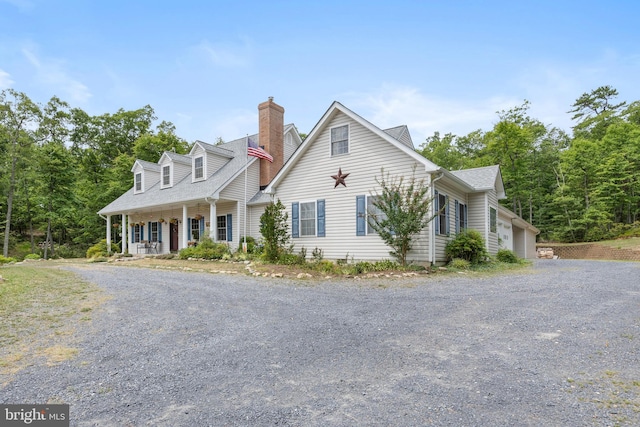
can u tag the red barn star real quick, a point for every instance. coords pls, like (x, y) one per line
(340, 178)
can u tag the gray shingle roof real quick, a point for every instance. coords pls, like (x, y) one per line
(185, 190)
(180, 158)
(148, 165)
(479, 178)
(401, 133)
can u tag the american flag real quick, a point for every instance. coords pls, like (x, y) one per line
(255, 151)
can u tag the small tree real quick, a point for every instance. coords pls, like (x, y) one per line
(274, 230)
(403, 212)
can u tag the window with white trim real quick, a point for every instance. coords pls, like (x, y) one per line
(198, 167)
(461, 217)
(340, 140)
(442, 207)
(195, 229)
(153, 226)
(136, 233)
(221, 225)
(138, 182)
(308, 218)
(373, 213)
(166, 176)
(493, 220)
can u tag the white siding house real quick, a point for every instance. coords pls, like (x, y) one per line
(327, 184)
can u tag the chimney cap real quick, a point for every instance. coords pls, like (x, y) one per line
(271, 98)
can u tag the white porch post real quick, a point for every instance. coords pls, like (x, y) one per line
(108, 233)
(124, 233)
(185, 227)
(213, 221)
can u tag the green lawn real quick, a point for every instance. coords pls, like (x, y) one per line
(39, 304)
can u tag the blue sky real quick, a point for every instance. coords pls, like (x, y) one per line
(432, 65)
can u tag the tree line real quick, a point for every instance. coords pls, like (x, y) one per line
(60, 165)
(577, 187)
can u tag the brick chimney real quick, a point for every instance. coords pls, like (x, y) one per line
(271, 138)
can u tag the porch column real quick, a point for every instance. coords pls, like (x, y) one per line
(124, 233)
(108, 233)
(213, 221)
(185, 227)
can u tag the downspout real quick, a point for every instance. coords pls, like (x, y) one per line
(432, 229)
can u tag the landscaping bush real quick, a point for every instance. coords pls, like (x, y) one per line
(98, 250)
(6, 260)
(32, 256)
(467, 245)
(252, 247)
(459, 264)
(206, 249)
(505, 255)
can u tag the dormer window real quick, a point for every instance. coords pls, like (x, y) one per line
(138, 182)
(198, 168)
(166, 176)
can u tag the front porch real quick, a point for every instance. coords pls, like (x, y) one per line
(168, 229)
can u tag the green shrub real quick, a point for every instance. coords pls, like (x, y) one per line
(505, 255)
(32, 256)
(327, 267)
(166, 256)
(467, 245)
(99, 249)
(317, 254)
(6, 260)
(252, 246)
(459, 264)
(206, 249)
(385, 265)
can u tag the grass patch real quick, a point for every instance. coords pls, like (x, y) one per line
(609, 390)
(626, 243)
(38, 307)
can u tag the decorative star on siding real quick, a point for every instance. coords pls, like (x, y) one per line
(340, 178)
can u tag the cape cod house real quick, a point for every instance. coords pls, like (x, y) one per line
(210, 190)
(327, 184)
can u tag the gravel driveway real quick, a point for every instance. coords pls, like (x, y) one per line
(556, 345)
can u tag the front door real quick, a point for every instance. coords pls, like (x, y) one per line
(173, 237)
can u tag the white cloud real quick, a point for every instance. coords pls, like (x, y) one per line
(52, 73)
(424, 114)
(5, 80)
(224, 54)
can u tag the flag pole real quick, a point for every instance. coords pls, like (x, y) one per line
(246, 149)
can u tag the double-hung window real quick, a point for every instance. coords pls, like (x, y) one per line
(195, 229)
(340, 140)
(493, 220)
(137, 229)
(442, 214)
(373, 213)
(198, 167)
(308, 218)
(461, 217)
(153, 230)
(138, 182)
(166, 176)
(221, 223)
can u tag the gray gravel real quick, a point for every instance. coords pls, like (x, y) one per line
(557, 345)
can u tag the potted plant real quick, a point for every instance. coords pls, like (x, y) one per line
(115, 225)
(161, 220)
(198, 217)
(173, 220)
(141, 223)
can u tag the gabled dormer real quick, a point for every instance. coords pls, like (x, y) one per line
(173, 168)
(206, 159)
(145, 175)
